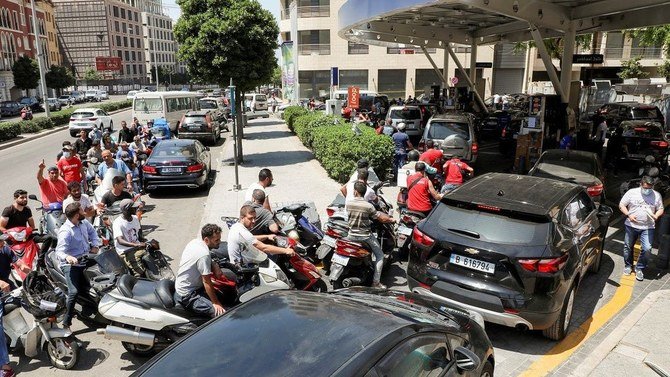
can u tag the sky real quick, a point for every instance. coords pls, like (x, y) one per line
(174, 11)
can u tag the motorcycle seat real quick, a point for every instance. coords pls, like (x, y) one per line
(415, 214)
(295, 209)
(158, 294)
(52, 259)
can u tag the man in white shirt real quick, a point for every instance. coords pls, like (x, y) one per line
(75, 196)
(194, 289)
(240, 238)
(127, 237)
(264, 180)
(348, 189)
(601, 136)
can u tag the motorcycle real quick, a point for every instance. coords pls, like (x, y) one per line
(101, 275)
(26, 114)
(20, 240)
(291, 219)
(653, 168)
(52, 217)
(408, 220)
(155, 264)
(352, 264)
(91, 166)
(29, 319)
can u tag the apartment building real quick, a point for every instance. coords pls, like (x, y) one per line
(52, 52)
(395, 70)
(17, 39)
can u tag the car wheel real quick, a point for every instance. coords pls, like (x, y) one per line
(595, 265)
(487, 371)
(559, 329)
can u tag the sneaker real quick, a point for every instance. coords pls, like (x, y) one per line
(627, 270)
(7, 373)
(639, 275)
(378, 286)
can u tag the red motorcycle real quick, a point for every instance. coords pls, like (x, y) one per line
(303, 274)
(21, 242)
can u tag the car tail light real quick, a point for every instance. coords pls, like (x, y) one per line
(92, 119)
(475, 148)
(195, 168)
(503, 132)
(407, 219)
(333, 233)
(422, 145)
(424, 285)
(72, 119)
(149, 169)
(422, 238)
(330, 211)
(549, 265)
(660, 144)
(350, 249)
(595, 190)
(488, 208)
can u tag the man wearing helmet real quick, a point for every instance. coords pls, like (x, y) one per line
(402, 145)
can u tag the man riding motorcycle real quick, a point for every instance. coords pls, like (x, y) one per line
(420, 191)
(240, 239)
(128, 240)
(453, 170)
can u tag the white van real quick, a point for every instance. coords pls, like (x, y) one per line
(148, 106)
(256, 105)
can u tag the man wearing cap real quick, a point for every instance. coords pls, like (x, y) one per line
(70, 166)
(83, 143)
(642, 206)
(52, 189)
(108, 162)
(125, 134)
(128, 239)
(60, 154)
(402, 145)
(76, 237)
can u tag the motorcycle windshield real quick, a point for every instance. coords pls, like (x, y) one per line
(253, 255)
(106, 184)
(110, 262)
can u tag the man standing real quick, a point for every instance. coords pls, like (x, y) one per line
(70, 166)
(53, 189)
(265, 179)
(420, 190)
(240, 239)
(76, 237)
(83, 144)
(642, 206)
(453, 169)
(361, 213)
(568, 141)
(127, 237)
(600, 136)
(265, 222)
(194, 289)
(125, 134)
(18, 214)
(402, 145)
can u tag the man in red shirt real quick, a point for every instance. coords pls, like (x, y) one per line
(420, 190)
(432, 156)
(70, 166)
(52, 189)
(454, 177)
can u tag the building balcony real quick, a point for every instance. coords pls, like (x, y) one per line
(314, 49)
(643, 52)
(307, 12)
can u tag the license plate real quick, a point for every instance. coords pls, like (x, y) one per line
(339, 259)
(474, 264)
(404, 230)
(171, 170)
(328, 240)
(195, 128)
(636, 155)
(515, 136)
(82, 124)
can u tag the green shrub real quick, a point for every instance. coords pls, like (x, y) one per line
(9, 130)
(44, 123)
(291, 113)
(302, 127)
(59, 118)
(29, 127)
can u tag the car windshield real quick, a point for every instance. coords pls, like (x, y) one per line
(82, 115)
(647, 131)
(208, 104)
(195, 119)
(566, 166)
(91, 92)
(491, 227)
(261, 97)
(405, 114)
(172, 151)
(25, 100)
(148, 104)
(646, 113)
(443, 129)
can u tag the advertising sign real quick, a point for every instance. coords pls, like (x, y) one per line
(354, 97)
(288, 78)
(108, 63)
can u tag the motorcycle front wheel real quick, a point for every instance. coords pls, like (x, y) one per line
(63, 352)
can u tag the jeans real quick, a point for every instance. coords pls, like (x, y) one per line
(197, 302)
(398, 161)
(73, 278)
(646, 238)
(4, 354)
(377, 251)
(449, 187)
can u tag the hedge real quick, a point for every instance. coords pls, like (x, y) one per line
(338, 148)
(9, 130)
(291, 113)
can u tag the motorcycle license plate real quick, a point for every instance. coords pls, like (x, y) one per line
(404, 230)
(340, 259)
(328, 240)
(473, 264)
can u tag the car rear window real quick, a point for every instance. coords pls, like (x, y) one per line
(491, 227)
(64, 97)
(174, 151)
(645, 131)
(583, 165)
(195, 119)
(261, 98)
(25, 100)
(444, 129)
(646, 113)
(148, 104)
(208, 104)
(405, 114)
(91, 92)
(80, 115)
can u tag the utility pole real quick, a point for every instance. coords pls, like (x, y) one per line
(233, 111)
(40, 62)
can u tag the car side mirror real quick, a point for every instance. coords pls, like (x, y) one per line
(466, 360)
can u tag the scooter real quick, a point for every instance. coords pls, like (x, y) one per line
(52, 217)
(352, 264)
(100, 276)
(155, 264)
(408, 220)
(26, 114)
(291, 219)
(29, 319)
(24, 247)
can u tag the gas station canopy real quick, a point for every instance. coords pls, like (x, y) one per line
(431, 23)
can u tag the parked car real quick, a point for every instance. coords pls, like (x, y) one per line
(455, 132)
(32, 102)
(177, 163)
(66, 100)
(131, 94)
(616, 113)
(54, 104)
(79, 97)
(87, 118)
(410, 115)
(216, 93)
(354, 332)
(513, 248)
(643, 138)
(93, 95)
(10, 108)
(256, 102)
(580, 167)
(200, 125)
(104, 95)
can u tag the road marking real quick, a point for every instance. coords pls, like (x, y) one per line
(565, 348)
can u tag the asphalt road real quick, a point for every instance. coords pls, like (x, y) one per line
(172, 218)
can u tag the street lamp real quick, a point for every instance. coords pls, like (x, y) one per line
(40, 63)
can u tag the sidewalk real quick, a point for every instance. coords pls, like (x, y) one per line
(642, 337)
(268, 143)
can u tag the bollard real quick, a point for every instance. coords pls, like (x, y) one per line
(663, 227)
(663, 252)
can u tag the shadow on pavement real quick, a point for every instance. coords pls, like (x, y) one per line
(277, 158)
(269, 135)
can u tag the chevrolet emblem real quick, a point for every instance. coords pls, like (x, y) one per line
(472, 251)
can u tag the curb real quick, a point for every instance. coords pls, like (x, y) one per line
(214, 194)
(20, 140)
(591, 362)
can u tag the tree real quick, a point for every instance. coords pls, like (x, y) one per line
(224, 39)
(664, 69)
(652, 36)
(276, 77)
(59, 78)
(26, 73)
(632, 69)
(92, 74)
(163, 74)
(555, 45)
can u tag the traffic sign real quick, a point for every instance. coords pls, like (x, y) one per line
(454, 80)
(334, 76)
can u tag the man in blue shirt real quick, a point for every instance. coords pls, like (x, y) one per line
(402, 145)
(76, 237)
(108, 162)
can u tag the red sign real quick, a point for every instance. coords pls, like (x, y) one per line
(354, 97)
(108, 63)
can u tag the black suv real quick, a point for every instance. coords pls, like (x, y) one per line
(513, 248)
(32, 102)
(615, 113)
(200, 125)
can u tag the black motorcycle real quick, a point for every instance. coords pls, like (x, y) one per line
(652, 168)
(291, 219)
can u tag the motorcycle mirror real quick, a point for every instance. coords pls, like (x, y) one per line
(32, 197)
(253, 255)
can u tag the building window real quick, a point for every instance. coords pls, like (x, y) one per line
(137, 29)
(134, 69)
(118, 40)
(354, 77)
(116, 11)
(123, 13)
(425, 78)
(358, 49)
(124, 27)
(132, 42)
(392, 82)
(314, 83)
(614, 45)
(116, 26)
(127, 53)
(125, 41)
(646, 52)
(133, 55)
(128, 69)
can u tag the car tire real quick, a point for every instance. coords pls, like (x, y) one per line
(487, 371)
(559, 329)
(595, 265)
